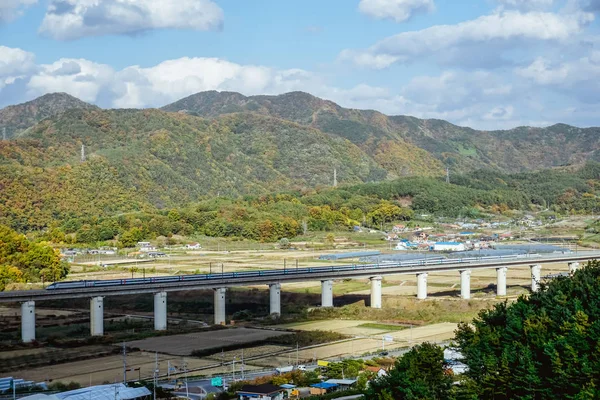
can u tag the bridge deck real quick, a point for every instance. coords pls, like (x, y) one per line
(285, 276)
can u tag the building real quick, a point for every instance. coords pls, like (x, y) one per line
(342, 384)
(193, 246)
(448, 246)
(322, 388)
(261, 392)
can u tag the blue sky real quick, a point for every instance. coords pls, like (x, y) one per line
(489, 64)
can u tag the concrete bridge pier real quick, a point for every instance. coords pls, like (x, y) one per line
(160, 311)
(327, 293)
(376, 292)
(275, 298)
(501, 281)
(220, 306)
(422, 286)
(573, 267)
(28, 321)
(97, 316)
(465, 283)
(536, 276)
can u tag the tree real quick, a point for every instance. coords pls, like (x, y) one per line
(9, 275)
(421, 373)
(131, 237)
(24, 261)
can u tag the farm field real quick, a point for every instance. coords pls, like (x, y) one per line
(185, 344)
(346, 327)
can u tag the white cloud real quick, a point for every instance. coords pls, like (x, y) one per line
(72, 19)
(579, 78)
(11, 9)
(502, 29)
(526, 4)
(481, 99)
(14, 64)
(398, 10)
(81, 78)
(174, 79)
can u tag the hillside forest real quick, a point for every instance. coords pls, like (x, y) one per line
(267, 218)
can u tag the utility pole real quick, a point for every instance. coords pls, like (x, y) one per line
(187, 393)
(124, 364)
(233, 370)
(155, 374)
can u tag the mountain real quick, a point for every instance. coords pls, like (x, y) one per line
(147, 159)
(19, 117)
(392, 141)
(225, 144)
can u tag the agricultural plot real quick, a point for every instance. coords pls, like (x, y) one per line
(183, 345)
(346, 327)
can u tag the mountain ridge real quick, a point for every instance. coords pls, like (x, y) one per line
(400, 144)
(460, 148)
(17, 118)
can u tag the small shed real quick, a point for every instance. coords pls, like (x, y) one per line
(322, 388)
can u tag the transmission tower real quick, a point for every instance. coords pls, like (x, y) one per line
(334, 177)
(4, 133)
(82, 153)
(447, 175)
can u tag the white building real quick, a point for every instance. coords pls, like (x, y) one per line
(448, 246)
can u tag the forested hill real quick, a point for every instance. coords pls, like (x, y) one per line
(387, 138)
(139, 159)
(19, 117)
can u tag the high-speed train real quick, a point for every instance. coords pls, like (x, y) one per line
(274, 272)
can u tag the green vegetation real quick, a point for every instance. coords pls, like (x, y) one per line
(97, 217)
(24, 261)
(19, 117)
(383, 327)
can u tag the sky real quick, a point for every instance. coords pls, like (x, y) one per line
(487, 64)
